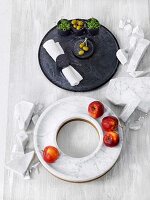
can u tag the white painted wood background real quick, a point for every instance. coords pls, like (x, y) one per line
(30, 20)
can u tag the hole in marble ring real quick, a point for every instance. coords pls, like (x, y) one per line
(77, 138)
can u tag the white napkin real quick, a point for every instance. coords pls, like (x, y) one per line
(60, 48)
(54, 50)
(72, 75)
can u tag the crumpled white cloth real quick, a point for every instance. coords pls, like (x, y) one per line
(54, 50)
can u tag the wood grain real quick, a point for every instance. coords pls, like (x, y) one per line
(31, 19)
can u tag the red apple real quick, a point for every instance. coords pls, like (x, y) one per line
(50, 154)
(96, 109)
(111, 138)
(109, 123)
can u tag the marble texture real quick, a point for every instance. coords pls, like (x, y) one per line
(128, 29)
(122, 23)
(22, 139)
(138, 32)
(68, 168)
(130, 92)
(122, 56)
(141, 47)
(23, 114)
(135, 48)
(35, 118)
(20, 164)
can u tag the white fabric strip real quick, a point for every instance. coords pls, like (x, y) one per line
(52, 49)
(72, 75)
(60, 48)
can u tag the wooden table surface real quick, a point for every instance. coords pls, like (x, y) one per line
(30, 20)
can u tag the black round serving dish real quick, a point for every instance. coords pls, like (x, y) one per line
(76, 48)
(95, 70)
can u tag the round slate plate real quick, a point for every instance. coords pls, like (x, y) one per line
(66, 167)
(95, 70)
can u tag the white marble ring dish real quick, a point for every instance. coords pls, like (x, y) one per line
(66, 167)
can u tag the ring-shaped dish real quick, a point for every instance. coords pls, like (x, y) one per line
(69, 168)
